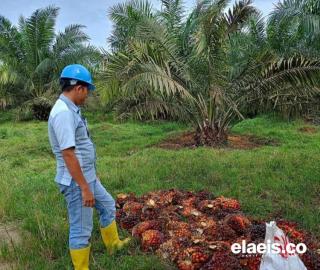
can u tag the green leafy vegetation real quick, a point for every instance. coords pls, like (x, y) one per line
(270, 181)
(210, 71)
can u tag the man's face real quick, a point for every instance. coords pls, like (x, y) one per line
(81, 94)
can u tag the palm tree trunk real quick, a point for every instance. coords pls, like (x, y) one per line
(211, 136)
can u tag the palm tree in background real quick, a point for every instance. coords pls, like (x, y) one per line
(209, 67)
(32, 56)
(294, 27)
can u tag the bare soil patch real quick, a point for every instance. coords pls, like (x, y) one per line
(310, 130)
(11, 237)
(186, 140)
(7, 266)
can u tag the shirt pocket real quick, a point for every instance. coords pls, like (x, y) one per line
(81, 130)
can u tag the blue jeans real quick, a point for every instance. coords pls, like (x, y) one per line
(81, 217)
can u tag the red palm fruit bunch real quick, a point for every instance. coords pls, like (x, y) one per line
(166, 197)
(149, 212)
(120, 214)
(185, 265)
(223, 206)
(239, 223)
(185, 211)
(169, 213)
(151, 240)
(168, 250)
(251, 263)
(172, 248)
(222, 260)
(177, 225)
(204, 221)
(159, 199)
(192, 258)
(197, 235)
(129, 215)
(206, 206)
(178, 229)
(180, 233)
(197, 227)
(128, 222)
(226, 204)
(211, 233)
(180, 195)
(199, 257)
(257, 232)
(225, 233)
(132, 208)
(141, 227)
(123, 198)
(187, 207)
(189, 201)
(311, 259)
(204, 195)
(207, 225)
(290, 229)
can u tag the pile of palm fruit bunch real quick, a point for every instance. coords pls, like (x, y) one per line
(195, 230)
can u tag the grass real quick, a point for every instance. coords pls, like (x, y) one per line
(271, 181)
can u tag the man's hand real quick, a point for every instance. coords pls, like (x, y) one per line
(87, 197)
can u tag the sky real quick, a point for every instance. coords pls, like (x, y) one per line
(93, 13)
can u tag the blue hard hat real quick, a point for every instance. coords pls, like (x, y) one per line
(79, 73)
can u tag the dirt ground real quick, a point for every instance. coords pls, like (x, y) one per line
(186, 140)
(7, 266)
(9, 236)
(310, 130)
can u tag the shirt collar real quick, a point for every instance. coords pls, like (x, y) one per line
(69, 103)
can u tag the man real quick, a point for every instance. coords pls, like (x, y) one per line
(76, 168)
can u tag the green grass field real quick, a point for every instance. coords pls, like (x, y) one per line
(271, 181)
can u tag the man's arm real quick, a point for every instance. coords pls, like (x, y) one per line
(76, 173)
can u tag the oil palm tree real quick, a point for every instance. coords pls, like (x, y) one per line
(209, 68)
(34, 55)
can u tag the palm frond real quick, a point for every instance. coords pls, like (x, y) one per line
(10, 42)
(134, 9)
(294, 27)
(73, 35)
(172, 13)
(307, 11)
(295, 71)
(158, 79)
(239, 14)
(149, 105)
(295, 78)
(39, 32)
(126, 16)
